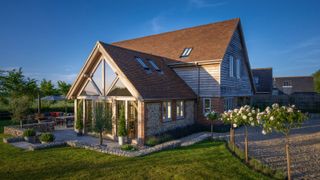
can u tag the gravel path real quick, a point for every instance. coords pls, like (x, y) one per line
(304, 149)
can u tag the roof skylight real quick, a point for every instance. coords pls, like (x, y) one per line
(153, 64)
(186, 52)
(140, 61)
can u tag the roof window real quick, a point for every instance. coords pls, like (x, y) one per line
(186, 52)
(140, 61)
(153, 64)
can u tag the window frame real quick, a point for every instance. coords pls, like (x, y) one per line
(238, 68)
(166, 111)
(204, 108)
(186, 52)
(154, 65)
(141, 62)
(180, 114)
(231, 64)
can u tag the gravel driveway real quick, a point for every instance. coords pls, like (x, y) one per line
(270, 149)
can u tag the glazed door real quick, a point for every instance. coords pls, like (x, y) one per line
(132, 119)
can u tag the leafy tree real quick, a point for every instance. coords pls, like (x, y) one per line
(316, 80)
(101, 120)
(63, 87)
(47, 88)
(212, 116)
(19, 107)
(282, 119)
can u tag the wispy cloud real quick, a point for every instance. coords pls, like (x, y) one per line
(206, 3)
(310, 44)
(156, 25)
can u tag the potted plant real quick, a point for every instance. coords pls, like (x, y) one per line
(30, 135)
(122, 132)
(46, 138)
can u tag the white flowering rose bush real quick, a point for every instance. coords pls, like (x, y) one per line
(281, 119)
(212, 116)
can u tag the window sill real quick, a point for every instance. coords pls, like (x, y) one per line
(180, 118)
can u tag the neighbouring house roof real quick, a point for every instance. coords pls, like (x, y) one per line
(262, 78)
(294, 84)
(208, 42)
(149, 84)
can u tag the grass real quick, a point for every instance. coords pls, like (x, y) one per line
(205, 160)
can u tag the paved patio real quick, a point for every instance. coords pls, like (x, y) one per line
(270, 149)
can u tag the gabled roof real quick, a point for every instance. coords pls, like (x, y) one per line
(154, 85)
(297, 83)
(208, 42)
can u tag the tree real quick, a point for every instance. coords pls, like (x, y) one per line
(100, 119)
(47, 88)
(229, 117)
(19, 108)
(282, 119)
(212, 116)
(316, 80)
(63, 88)
(247, 116)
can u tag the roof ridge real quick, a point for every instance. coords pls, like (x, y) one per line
(168, 32)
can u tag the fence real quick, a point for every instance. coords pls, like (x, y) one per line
(305, 102)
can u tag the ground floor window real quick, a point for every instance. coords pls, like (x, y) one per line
(180, 109)
(228, 104)
(206, 105)
(166, 111)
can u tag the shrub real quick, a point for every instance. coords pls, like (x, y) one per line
(256, 164)
(29, 133)
(279, 174)
(152, 141)
(165, 138)
(122, 124)
(47, 137)
(128, 147)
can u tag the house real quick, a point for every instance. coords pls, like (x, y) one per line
(293, 84)
(262, 78)
(165, 81)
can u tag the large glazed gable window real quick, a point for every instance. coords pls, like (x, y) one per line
(166, 111)
(90, 90)
(118, 89)
(231, 66)
(97, 76)
(109, 77)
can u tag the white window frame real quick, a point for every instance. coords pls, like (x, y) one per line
(231, 62)
(206, 109)
(238, 68)
(166, 111)
(153, 64)
(180, 109)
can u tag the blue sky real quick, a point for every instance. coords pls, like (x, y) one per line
(52, 38)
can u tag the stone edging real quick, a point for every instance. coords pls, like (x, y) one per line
(13, 139)
(45, 146)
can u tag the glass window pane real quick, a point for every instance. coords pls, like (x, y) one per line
(109, 76)
(90, 90)
(119, 90)
(169, 110)
(97, 77)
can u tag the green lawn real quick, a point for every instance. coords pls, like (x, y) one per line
(206, 160)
